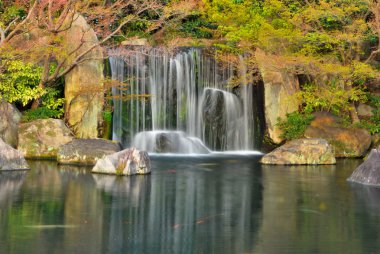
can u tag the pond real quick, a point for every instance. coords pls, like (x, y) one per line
(189, 205)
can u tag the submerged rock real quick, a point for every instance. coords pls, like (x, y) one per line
(347, 142)
(9, 120)
(86, 151)
(168, 142)
(41, 139)
(301, 151)
(10, 158)
(369, 171)
(127, 162)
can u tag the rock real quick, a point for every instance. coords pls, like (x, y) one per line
(369, 171)
(41, 139)
(168, 142)
(86, 151)
(365, 110)
(301, 151)
(126, 162)
(221, 111)
(135, 41)
(9, 120)
(10, 158)
(347, 142)
(279, 88)
(84, 84)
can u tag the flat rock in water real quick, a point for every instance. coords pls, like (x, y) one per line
(10, 158)
(127, 162)
(86, 151)
(41, 139)
(301, 151)
(369, 171)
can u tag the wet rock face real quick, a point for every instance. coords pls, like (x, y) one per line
(86, 151)
(41, 139)
(213, 114)
(369, 171)
(10, 158)
(301, 151)
(347, 142)
(9, 120)
(127, 162)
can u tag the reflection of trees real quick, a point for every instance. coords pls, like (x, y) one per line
(55, 211)
(10, 184)
(182, 207)
(308, 209)
(210, 208)
(368, 215)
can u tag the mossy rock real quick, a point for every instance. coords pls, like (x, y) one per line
(347, 142)
(41, 139)
(86, 151)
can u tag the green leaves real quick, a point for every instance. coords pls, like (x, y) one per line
(331, 97)
(294, 125)
(19, 81)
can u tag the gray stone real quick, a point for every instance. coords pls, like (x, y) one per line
(9, 120)
(369, 171)
(10, 158)
(86, 151)
(127, 162)
(301, 151)
(41, 139)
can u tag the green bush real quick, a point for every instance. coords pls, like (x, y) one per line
(294, 125)
(372, 124)
(40, 113)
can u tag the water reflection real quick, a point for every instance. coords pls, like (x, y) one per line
(309, 209)
(214, 205)
(10, 184)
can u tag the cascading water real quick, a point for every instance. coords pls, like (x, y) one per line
(183, 103)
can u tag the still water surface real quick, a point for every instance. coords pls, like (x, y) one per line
(189, 205)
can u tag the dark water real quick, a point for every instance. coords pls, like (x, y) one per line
(188, 205)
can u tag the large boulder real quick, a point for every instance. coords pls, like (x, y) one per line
(84, 92)
(86, 151)
(347, 142)
(41, 139)
(126, 162)
(301, 151)
(369, 171)
(10, 158)
(9, 120)
(279, 89)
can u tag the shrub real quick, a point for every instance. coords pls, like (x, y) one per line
(294, 125)
(40, 113)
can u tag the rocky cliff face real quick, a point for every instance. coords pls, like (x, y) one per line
(83, 85)
(279, 87)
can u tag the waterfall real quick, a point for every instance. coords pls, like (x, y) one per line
(173, 100)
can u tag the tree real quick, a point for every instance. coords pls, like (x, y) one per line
(34, 31)
(323, 40)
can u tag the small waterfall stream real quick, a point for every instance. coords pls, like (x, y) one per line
(183, 102)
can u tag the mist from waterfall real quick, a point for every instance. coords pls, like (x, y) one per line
(188, 99)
